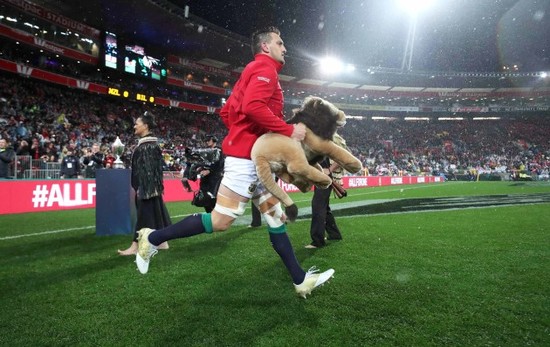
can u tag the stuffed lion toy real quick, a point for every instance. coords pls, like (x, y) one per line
(296, 162)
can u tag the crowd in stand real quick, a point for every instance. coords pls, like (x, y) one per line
(365, 97)
(46, 122)
(452, 147)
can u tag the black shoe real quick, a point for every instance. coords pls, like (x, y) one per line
(334, 238)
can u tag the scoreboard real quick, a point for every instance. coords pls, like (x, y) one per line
(130, 95)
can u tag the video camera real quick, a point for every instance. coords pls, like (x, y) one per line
(196, 163)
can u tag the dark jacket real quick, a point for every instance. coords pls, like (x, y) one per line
(147, 169)
(70, 167)
(6, 157)
(92, 163)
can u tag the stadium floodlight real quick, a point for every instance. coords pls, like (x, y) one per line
(413, 7)
(331, 65)
(544, 74)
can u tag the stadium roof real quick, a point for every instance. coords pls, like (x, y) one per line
(163, 26)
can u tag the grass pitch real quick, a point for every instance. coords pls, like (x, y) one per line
(426, 265)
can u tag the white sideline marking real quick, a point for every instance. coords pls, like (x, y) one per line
(46, 232)
(244, 220)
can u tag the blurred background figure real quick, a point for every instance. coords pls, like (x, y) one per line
(256, 217)
(7, 155)
(322, 219)
(93, 160)
(210, 169)
(70, 165)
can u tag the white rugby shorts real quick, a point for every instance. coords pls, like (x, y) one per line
(240, 176)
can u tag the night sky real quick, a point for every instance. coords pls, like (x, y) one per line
(459, 35)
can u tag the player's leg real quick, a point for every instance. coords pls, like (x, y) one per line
(304, 282)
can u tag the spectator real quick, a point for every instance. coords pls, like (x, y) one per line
(36, 151)
(23, 149)
(70, 165)
(93, 160)
(51, 152)
(7, 155)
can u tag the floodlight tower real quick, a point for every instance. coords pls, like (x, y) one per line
(413, 7)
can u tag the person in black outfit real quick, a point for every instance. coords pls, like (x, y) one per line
(256, 217)
(70, 166)
(210, 170)
(93, 161)
(322, 218)
(147, 181)
(7, 155)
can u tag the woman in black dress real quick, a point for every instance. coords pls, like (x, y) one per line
(147, 181)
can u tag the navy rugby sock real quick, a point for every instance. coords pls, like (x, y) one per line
(189, 226)
(281, 244)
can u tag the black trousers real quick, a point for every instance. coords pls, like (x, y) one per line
(322, 219)
(256, 216)
(210, 183)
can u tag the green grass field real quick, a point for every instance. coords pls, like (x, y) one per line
(460, 270)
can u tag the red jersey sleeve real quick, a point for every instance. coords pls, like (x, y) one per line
(262, 91)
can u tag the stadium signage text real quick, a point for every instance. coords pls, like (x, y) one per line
(114, 91)
(45, 44)
(30, 39)
(287, 187)
(397, 180)
(60, 20)
(143, 97)
(357, 182)
(63, 195)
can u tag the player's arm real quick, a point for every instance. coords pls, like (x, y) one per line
(261, 87)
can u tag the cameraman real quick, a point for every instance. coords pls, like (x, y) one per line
(210, 169)
(189, 173)
(93, 160)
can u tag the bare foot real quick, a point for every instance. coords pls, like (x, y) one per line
(132, 250)
(163, 245)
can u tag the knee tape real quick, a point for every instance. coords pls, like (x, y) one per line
(229, 207)
(271, 210)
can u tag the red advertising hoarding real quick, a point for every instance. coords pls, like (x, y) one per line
(54, 195)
